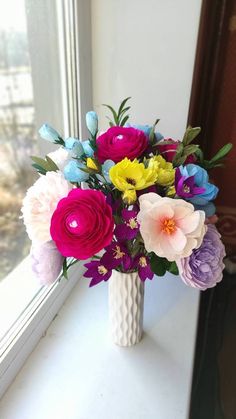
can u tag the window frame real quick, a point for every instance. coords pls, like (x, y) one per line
(74, 35)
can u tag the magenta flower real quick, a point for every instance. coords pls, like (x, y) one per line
(82, 223)
(97, 271)
(144, 268)
(129, 228)
(115, 255)
(120, 142)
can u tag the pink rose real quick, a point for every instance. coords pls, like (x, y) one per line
(120, 142)
(82, 223)
(168, 151)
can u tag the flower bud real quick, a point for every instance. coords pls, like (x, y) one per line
(48, 133)
(92, 122)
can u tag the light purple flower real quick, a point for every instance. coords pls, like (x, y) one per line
(203, 268)
(129, 228)
(97, 271)
(46, 262)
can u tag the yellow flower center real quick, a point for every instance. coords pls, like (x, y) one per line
(117, 253)
(102, 270)
(143, 262)
(130, 181)
(132, 223)
(186, 189)
(168, 226)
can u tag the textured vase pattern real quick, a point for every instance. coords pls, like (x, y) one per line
(126, 297)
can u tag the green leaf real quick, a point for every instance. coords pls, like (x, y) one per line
(52, 164)
(190, 134)
(64, 268)
(158, 265)
(39, 169)
(190, 149)
(152, 132)
(124, 110)
(199, 154)
(122, 123)
(173, 269)
(115, 116)
(222, 153)
(123, 104)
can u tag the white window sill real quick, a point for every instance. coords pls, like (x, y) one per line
(75, 372)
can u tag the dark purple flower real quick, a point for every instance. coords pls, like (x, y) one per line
(97, 271)
(115, 204)
(185, 186)
(203, 268)
(129, 228)
(116, 253)
(144, 268)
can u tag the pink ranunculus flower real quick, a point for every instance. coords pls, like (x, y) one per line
(46, 262)
(171, 228)
(40, 202)
(168, 147)
(82, 223)
(120, 142)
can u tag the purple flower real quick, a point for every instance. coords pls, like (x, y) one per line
(185, 186)
(203, 268)
(116, 254)
(97, 271)
(144, 268)
(129, 228)
(46, 262)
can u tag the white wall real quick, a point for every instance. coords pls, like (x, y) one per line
(145, 49)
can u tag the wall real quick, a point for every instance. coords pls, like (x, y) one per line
(145, 49)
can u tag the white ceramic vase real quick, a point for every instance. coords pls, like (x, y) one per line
(126, 298)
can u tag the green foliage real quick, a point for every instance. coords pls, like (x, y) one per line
(217, 160)
(43, 166)
(119, 117)
(152, 132)
(161, 265)
(184, 148)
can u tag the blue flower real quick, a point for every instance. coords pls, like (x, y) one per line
(75, 146)
(73, 172)
(48, 133)
(87, 148)
(105, 171)
(92, 122)
(201, 179)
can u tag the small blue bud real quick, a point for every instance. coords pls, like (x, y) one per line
(92, 122)
(74, 145)
(105, 169)
(87, 148)
(73, 173)
(48, 133)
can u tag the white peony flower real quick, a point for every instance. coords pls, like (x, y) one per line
(61, 157)
(40, 203)
(171, 228)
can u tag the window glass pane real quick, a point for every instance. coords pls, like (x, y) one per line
(17, 132)
(30, 87)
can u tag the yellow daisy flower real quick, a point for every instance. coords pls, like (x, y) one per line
(164, 170)
(132, 175)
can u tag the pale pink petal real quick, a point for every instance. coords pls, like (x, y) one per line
(177, 240)
(181, 211)
(160, 212)
(189, 223)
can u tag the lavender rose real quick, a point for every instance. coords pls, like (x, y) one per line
(203, 268)
(46, 262)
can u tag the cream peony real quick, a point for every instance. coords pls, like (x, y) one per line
(40, 203)
(171, 228)
(61, 157)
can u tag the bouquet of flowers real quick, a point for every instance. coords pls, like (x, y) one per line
(145, 201)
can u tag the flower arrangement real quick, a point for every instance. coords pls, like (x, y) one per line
(144, 200)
